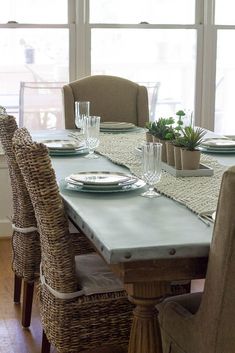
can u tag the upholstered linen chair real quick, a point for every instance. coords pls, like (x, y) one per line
(83, 305)
(204, 323)
(25, 238)
(112, 98)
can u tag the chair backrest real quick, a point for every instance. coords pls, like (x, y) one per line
(41, 105)
(26, 247)
(216, 314)
(112, 98)
(58, 264)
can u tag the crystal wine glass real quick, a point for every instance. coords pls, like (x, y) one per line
(92, 130)
(82, 110)
(152, 169)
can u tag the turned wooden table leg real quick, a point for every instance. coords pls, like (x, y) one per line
(145, 333)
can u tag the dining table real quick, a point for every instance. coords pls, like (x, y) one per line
(147, 243)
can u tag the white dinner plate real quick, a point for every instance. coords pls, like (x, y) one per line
(66, 153)
(66, 144)
(216, 150)
(114, 125)
(101, 178)
(100, 186)
(218, 143)
(139, 184)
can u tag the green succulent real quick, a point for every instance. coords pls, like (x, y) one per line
(180, 113)
(164, 129)
(192, 137)
(151, 126)
(179, 122)
(178, 141)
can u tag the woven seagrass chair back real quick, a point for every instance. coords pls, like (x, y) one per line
(58, 264)
(112, 98)
(26, 246)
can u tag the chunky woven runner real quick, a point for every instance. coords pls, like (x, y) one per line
(199, 194)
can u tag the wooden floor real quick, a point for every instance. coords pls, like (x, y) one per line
(14, 339)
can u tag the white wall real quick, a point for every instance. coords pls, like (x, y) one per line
(5, 198)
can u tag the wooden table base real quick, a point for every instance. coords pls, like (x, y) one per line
(145, 333)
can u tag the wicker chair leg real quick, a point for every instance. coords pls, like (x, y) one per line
(27, 303)
(17, 289)
(45, 344)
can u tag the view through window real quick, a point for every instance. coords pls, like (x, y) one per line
(140, 49)
(34, 49)
(158, 43)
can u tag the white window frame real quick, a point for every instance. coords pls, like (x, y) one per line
(80, 49)
(204, 109)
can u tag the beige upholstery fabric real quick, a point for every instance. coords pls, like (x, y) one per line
(211, 329)
(112, 98)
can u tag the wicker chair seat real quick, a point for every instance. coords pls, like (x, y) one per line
(94, 275)
(103, 313)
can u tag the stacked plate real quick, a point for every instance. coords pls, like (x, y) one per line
(64, 147)
(218, 145)
(103, 182)
(114, 126)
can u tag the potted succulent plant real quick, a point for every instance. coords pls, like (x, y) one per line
(178, 143)
(164, 132)
(151, 127)
(191, 139)
(180, 114)
(170, 138)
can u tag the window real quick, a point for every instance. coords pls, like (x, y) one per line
(34, 46)
(136, 11)
(148, 44)
(182, 50)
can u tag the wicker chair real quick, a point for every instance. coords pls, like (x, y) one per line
(204, 322)
(25, 238)
(112, 98)
(83, 305)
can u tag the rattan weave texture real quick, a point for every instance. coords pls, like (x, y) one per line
(81, 323)
(26, 247)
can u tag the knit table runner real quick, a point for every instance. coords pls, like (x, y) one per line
(199, 194)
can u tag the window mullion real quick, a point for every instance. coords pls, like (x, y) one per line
(206, 118)
(199, 11)
(82, 39)
(72, 38)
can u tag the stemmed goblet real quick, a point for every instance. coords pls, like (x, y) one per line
(92, 130)
(151, 167)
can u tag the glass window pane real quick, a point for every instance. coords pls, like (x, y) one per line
(225, 78)
(136, 11)
(224, 12)
(163, 60)
(31, 55)
(34, 11)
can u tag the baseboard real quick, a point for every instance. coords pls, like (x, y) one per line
(5, 228)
